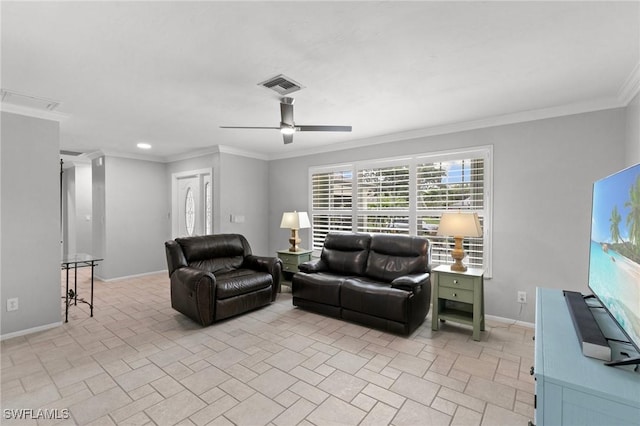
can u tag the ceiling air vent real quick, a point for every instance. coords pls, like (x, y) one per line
(282, 84)
(29, 101)
(70, 153)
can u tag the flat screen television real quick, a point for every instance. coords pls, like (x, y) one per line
(614, 255)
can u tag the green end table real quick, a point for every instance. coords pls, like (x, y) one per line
(291, 260)
(458, 297)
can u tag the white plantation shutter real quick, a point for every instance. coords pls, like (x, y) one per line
(453, 185)
(407, 196)
(331, 203)
(383, 199)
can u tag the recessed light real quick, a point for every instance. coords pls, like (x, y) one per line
(143, 145)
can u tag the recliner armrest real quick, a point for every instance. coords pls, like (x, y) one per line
(410, 282)
(262, 263)
(316, 265)
(190, 277)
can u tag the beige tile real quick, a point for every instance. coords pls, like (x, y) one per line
(462, 399)
(342, 385)
(136, 406)
(138, 377)
(375, 378)
(443, 405)
(415, 388)
(272, 382)
(495, 393)
(476, 367)
(347, 362)
(466, 417)
(381, 414)
(410, 364)
(256, 410)
(307, 375)
(167, 386)
(312, 393)
(237, 389)
(334, 411)
(213, 411)
(413, 413)
(203, 380)
(286, 359)
(174, 409)
(495, 415)
(381, 394)
(363, 402)
(99, 405)
(295, 413)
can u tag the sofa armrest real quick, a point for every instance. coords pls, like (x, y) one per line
(262, 263)
(193, 293)
(270, 265)
(315, 265)
(411, 282)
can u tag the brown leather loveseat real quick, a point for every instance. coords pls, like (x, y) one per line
(381, 280)
(216, 276)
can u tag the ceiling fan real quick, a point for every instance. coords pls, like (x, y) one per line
(288, 127)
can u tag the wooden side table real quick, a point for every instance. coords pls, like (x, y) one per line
(458, 297)
(291, 260)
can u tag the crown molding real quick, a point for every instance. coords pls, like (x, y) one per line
(502, 120)
(225, 149)
(631, 86)
(217, 149)
(128, 155)
(33, 112)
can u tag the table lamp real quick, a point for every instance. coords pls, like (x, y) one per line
(459, 225)
(295, 221)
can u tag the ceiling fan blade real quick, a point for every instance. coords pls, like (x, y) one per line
(245, 127)
(287, 138)
(312, 128)
(286, 111)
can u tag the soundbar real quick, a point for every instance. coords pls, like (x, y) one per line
(590, 336)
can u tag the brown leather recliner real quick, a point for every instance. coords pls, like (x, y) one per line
(216, 276)
(381, 280)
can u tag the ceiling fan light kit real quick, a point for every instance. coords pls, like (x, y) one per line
(287, 125)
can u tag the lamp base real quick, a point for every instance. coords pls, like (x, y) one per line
(458, 254)
(294, 240)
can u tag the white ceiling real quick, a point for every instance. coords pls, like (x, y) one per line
(171, 73)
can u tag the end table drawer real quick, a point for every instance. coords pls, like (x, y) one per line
(456, 282)
(459, 295)
(288, 267)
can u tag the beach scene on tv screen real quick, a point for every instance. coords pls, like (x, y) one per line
(614, 261)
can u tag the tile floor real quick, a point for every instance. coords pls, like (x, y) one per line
(138, 362)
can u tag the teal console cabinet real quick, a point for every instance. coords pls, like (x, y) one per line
(572, 389)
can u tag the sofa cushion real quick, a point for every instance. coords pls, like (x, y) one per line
(374, 298)
(392, 256)
(346, 253)
(321, 287)
(215, 253)
(240, 281)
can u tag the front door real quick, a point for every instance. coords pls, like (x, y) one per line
(192, 199)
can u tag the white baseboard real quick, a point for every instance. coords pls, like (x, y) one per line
(126, 277)
(30, 330)
(510, 321)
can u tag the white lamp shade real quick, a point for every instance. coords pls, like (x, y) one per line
(295, 220)
(460, 225)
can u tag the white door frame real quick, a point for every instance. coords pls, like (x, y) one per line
(175, 177)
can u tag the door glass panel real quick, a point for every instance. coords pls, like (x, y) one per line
(189, 211)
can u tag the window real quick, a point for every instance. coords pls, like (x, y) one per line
(207, 208)
(406, 196)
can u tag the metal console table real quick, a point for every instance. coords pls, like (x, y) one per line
(75, 261)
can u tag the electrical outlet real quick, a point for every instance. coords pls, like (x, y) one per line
(522, 297)
(12, 304)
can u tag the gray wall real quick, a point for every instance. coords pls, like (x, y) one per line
(133, 222)
(543, 172)
(633, 132)
(244, 191)
(29, 222)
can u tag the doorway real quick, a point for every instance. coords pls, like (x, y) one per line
(192, 203)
